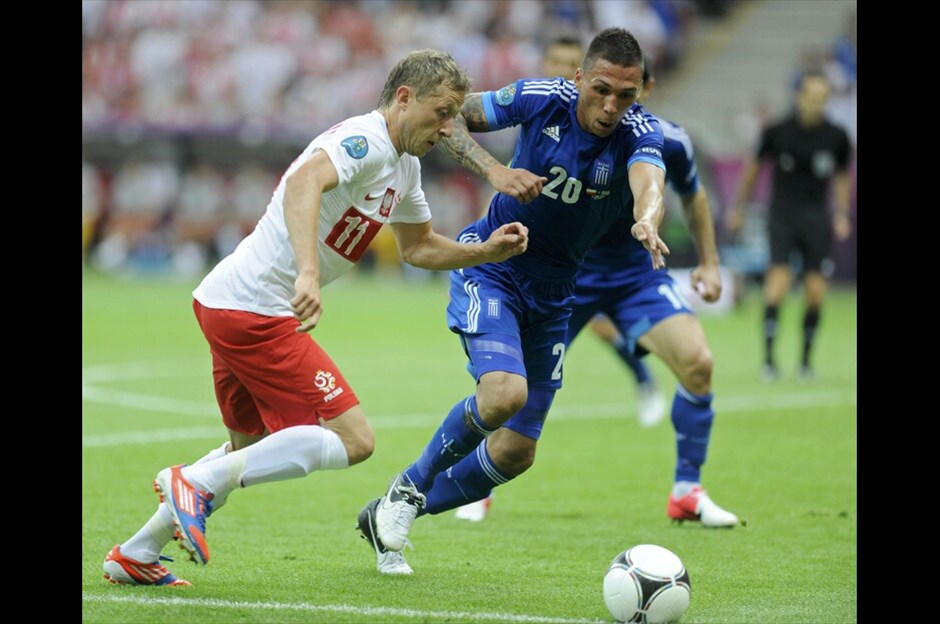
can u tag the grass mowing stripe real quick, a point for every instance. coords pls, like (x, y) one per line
(342, 608)
(143, 370)
(584, 412)
(149, 403)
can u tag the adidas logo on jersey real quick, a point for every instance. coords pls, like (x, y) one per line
(552, 131)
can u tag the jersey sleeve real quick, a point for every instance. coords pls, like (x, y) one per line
(413, 207)
(843, 150)
(355, 153)
(647, 138)
(519, 101)
(766, 147)
(679, 156)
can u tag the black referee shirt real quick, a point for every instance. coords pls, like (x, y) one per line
(805, 159)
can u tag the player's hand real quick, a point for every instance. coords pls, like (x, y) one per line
(842, 226)
(645, 232)
(306, 304)
(706, 281)
(734, 220)
(521, 184)
(507, 241)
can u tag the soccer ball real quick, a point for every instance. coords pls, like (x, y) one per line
(647, 584)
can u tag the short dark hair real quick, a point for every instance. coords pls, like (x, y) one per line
(647, 68)
(616, 46)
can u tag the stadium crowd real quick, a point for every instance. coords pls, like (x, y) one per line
(253, 72)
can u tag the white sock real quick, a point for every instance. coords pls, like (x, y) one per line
(681, 488)
(214, 454)
(146, 544)
(286, 454)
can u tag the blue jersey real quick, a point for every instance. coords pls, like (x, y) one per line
(618, 257)
(587, 187)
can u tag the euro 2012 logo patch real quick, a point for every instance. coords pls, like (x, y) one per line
(506, 95)
(356, 146)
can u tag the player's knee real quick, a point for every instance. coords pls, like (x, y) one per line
(500, 398)
(360, 444)
(515, 459)
(697, 368)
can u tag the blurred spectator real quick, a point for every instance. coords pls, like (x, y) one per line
(640, 19)
(845, 49)
(263, 69)
(842, 71)
(506, 57)
(92, 203)
(157, 57)
(252, 188)
(748, 123)
(199, 216)
(258, 71)
(197, 62)
(142, 195)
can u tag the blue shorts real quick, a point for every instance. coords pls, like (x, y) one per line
(509, 322)
(634, 307)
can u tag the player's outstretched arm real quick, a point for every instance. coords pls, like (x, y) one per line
(706, 278)
(521, 184)
(424, 248)
(735, 218)
(302, 195)
(646, 183)
(842, 225)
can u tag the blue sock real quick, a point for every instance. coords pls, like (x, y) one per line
(692, 417)
(469, 480)
(460, 433)
(635, 364)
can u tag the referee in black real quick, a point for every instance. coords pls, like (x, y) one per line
(809, 152)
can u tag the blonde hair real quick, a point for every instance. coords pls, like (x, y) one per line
(424, 71)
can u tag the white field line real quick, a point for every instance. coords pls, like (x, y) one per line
(165, 405)
(154, 435)
(404, 421)
(338, 608)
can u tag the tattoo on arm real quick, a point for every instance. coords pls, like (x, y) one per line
(461, 146)
(472, 112)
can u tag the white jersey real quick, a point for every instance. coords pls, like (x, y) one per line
(376, 186)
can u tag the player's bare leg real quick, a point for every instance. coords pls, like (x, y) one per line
(680, 342)
(777, 282)
(137, 561)
(499, 395)
(651, 405)
(814, 284)
(191, 491)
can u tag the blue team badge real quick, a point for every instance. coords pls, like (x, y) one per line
(356, 146)
(506, 95)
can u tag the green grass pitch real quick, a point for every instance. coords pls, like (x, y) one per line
(782, 456)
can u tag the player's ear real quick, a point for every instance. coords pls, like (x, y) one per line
(404, 95)
(577, 78)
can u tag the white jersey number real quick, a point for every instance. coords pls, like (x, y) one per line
(559, 350)
(569, 193)
(674, 295)
(351, 235)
